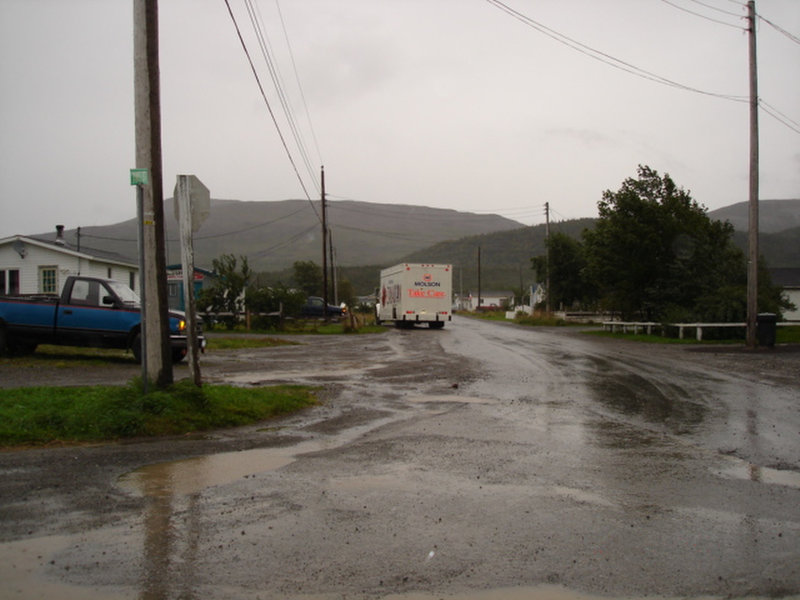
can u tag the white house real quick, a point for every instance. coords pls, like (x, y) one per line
(35, 266)
(789, 280)
(489, 300)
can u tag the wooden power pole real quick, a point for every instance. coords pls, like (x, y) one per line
(147, 107)
(752, 235)
(547, 258)
(324, 247)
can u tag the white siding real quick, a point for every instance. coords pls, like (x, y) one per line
(66, 262)
(794, 298)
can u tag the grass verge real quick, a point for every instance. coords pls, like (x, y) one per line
(43, 415)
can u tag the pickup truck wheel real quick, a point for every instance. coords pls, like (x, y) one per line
(3, 341)
(178, 354)
(136, 347)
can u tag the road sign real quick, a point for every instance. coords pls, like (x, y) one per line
(140, 177)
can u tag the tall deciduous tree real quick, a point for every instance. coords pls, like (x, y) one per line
(655, 254)
(567, 264)
(308, 277)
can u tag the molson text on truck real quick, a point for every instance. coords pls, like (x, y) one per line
(415, 293)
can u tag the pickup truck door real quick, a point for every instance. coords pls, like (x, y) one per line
(85, 319)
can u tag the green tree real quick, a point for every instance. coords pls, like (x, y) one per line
(227, 293)
(655, 254)
(567, 264)
(273, 299)
(308, 277)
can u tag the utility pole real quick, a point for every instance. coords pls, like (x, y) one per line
(147, 109)
(752, 235)
(324, 249)
(333, 269)
(547, 258)
(479, 277)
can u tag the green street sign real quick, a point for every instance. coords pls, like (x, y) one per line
(140, 177)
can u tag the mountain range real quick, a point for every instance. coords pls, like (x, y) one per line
(368, 236)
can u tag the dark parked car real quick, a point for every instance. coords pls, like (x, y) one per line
(314, 308)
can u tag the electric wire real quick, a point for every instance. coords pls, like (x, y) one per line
(727, 12)
(285, 242)
(702, 16)
(299, 85)
(603, 57)
(781, 30)
(269, 107)
(267, 53)
(778, 115)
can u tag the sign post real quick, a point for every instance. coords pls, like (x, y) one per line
(192, 204)
(140, 178)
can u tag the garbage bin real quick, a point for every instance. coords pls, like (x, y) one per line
(765, 330)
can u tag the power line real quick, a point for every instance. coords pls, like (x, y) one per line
(778, 115)
(266, 52)
(603, 57)
(781, 30)
(299, 85)
(702, 16)
(269, 108)
(727, 12)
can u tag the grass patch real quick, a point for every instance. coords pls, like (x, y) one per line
(788, 335)
(43, 415)
(70, 357)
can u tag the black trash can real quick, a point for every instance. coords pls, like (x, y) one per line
(765, 330)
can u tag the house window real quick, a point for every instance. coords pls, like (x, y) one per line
(132, 280)
(2, 282)
(109, 273)
(47, 280)
(13, 282)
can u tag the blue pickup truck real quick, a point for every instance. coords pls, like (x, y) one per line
(91, 312)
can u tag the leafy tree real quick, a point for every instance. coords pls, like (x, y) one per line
(226, 295)
(567, 264)
(308, 277)
(273, 299)
(347, 293)
(655, 254)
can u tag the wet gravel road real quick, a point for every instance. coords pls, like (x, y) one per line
(479, 461)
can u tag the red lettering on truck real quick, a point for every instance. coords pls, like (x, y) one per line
(412, 293)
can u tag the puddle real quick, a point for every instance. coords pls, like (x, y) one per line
(21, 572)
(258, 377)
(192, 475)
(751, 472)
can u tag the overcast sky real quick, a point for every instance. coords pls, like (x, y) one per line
(444, 103)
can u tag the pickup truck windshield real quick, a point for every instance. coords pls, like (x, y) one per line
(124, 293)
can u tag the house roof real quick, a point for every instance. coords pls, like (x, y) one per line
(787, 277)
(85, 253)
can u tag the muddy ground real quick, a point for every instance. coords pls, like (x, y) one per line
(368, 384)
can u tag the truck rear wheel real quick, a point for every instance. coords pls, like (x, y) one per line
(3, 341)
(136, 347)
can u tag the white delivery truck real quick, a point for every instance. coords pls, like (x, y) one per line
(415, 293)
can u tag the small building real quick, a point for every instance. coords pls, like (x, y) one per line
(789, 280)
(176, 298)
(31, 265)
(489, 300)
